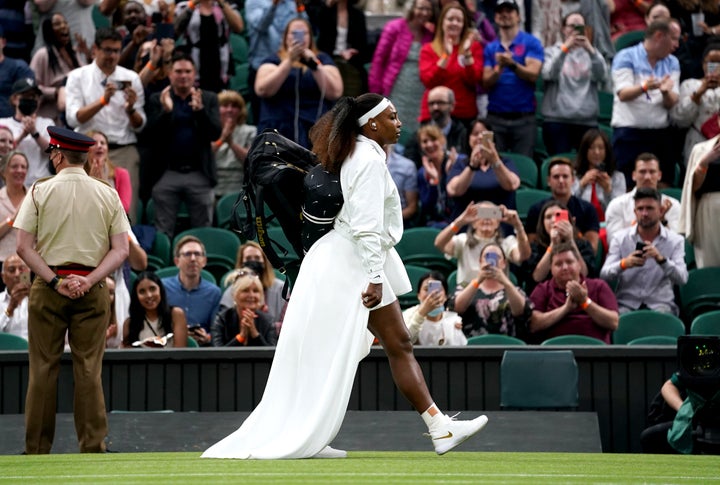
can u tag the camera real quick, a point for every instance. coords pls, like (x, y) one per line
(640, 246)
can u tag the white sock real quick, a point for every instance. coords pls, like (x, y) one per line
(429, 418)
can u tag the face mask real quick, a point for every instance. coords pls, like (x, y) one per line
(436, 311)
(257, 266)
(27, 106)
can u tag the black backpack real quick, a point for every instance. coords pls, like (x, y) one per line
(275, 187)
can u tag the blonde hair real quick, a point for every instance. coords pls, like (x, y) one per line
(268, 276)
(246, 281)
(110, 165)
(228, 96)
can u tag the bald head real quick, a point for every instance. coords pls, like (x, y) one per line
(441, 102)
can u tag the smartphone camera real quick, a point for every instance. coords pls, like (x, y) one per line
(433, 286)
(298, 36)
(561, 215)
(492, 259)
(640, 246)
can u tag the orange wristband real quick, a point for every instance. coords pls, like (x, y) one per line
(586, 304)
(623, 264)
(240, 338)
(191, 5)
(218, 143)
(150, 66)
(475, 284)
(702, 169)
(444, 56)
(638, 3)
(9, 221)
(454, 228)
(549, 249)
(103, 101)
(564, 48)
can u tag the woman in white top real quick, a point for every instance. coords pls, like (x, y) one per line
(429, 323)
(151, 316)
(13, 171)
(347, 285)
(481, 231)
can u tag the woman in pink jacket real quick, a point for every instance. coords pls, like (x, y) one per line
(394, 69)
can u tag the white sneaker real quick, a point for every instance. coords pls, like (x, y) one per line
(447, 433)
(329, 452)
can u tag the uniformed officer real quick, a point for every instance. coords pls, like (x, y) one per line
(81, 232)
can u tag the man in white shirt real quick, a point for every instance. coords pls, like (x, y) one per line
(109, 98)
(29, 130)
(14, 300)
(620, 212)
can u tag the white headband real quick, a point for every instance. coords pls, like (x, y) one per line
(379, 108)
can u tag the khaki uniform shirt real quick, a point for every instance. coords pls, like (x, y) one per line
(73, 216)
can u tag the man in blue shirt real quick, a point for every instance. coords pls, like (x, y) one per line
(188, 290)
(512, 65)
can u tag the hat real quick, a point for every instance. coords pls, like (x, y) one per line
(64, 139)
(25, 84)
(507, 3)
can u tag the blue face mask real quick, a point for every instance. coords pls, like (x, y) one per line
(436, 311)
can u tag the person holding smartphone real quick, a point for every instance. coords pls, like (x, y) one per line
(698, 102)
(429, 322)
(492, 303)
(573, 72)
(14, 298)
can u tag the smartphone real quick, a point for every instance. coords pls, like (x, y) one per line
(713, 67)
(601, 167)
(580, 29)
(488, 212)
(492, 259)
(487, 137)
(562, 215)
(25, 278)
(123, 84)
(298, 36)
(640, 246)
(194, 328)
(434, 285)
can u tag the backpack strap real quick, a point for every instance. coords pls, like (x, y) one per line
(261, 225)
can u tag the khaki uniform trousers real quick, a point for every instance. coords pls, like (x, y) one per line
(50, 315)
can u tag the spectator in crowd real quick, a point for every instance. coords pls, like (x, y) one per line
(29, 129)
(154, 62)
(627, 16)
(491, 303)
(7, 140)
(573, 72)
(696, 19)
(183, 122)
(112, 339)
(512, 65)
(435, 204)
(251, 256)
(569, 303)
(106, 97)
(441, 102)
(699, 102)
(484, 175)
(11, 71)
(453, 59)
(645, 79)
(701, 202)
(553, 230)
(429, 322)
(620, 211)
(152, 316)
(341, 31)
(394, 71)
(79, 15)
(646, 260)
(231, 148)
(297, 85)
(206, 27)
(596, 179)
(656, 11)
(655, 438)
(52, 63)
(404, 174)
(266, 22)
(13, 170)
(19, 34)
(483, 220)
(244, 323)
(100, 167)
(199, 299)
(560, 180)
(134, 19)
(14, 298)
(546, 19)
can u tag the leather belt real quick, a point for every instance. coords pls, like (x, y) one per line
(72, 268)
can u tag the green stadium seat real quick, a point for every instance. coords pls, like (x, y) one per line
(525, 198)
(414, 274)
(605, 102)
(9, 341)
(646, 323)
(701, 293)
(654, 340)
(224, 208)
(629, 39)
(417, 247)
(573, 340)
(542, 379)
(173, 270)
(494, 339)
(706, 324)
(160, 255)
(192, 343)
(526, 166)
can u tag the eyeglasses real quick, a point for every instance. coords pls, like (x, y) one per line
(439, 103)
(190, 254)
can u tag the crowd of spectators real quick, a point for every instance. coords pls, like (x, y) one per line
(157, 91)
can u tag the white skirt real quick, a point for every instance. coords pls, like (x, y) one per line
(324, 336)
